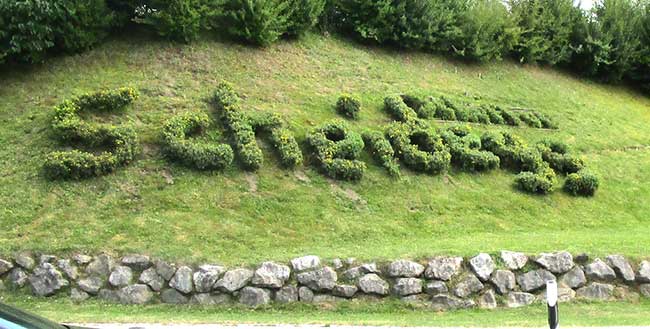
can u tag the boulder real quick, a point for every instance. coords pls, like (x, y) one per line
(356, 272)
(136, 294)
(91, 285)
(82, 259)
(173, 296)
(78, 295)
(121, 276)
(68, 268)
(514, 260)
(305, 263)
(405, 268)
(504, 281)
(101, 266)
(600, 271)
(564, 294)
(323, 279)
(151, 278)
(468, 285)
(643, 274)
(622, 267)
(137, 262)
(47, 280)
(254, 297)
(271, 275)
(596, 291)
(165, 270)
(337, 263)
(373, 284)
(46, 259)
(207, 275)
(482, 265)
(326, 299)
(17, 277)
(305, 294)
(558, 263)
(575, 278)
(534, 280)
(443, 268)
(644, 289)
(344, 290)
(436, 288)
(183, 280)
(108, 295)
(407, 286)
(445, 302)
(5, 266)
(210, 299)
(487, 300)
(25, 260)
(518, 299)
(624, 293)
(287, 294)
(234, 280)
(581, 258)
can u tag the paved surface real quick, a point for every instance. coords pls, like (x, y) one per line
(287, 326)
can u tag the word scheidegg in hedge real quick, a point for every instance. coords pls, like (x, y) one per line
(418, 145)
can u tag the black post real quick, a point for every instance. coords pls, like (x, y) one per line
(551, 300)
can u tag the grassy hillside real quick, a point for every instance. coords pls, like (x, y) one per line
(167, 210)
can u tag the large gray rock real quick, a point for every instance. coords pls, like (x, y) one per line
(5, 266)
(68, 268)
(210, 299)
(151, 278)
(644, 289)
(47, 280)
(514, 260)
(137, 262)
(82, 259)
(136, 294)
(111, 296)
(487, 300)
(78, 295)
(483, 265)
(344, 290)
(121, 276)
(598, 270)
(271, 275)
(534, 280)
(564, 294)
(356, 272)
(373, 284)
(254, 297)
(101, 266)
(323, 279)
(91, 285)
(445, 302)
(407, 286)
(45, 258)
(183, 280)
(519, 299)
(558, 263)
(305, 263)
(305, 294)
(575, 278)
(207, 276)
(405, 268)
(165, 269)
(173, 296)
(326, 299)
(468, 285)
(234, 280)
(643, 274)
(17, 277)
(436, 288)
(443, 268)
(622, 267)
(25, 260)
(597, 291)
(503, 281)
(287, 294)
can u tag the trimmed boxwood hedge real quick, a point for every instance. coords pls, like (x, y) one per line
(395, 106)
(419, 147)
(337, 150)
(465, 150)
(382, 151)
(541, 182)
(282, 139)
(581, 183)
(557, 156)
(69, 127)
(191, 152)
(348, 106)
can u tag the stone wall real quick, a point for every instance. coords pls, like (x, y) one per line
(509, 279)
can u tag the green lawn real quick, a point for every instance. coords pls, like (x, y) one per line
(382, 313)
(233, 217)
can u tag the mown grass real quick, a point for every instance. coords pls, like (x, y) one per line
(234, 217)
(387, 313)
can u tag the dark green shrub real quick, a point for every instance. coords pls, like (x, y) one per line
(237, 124)
(382, 151)
(530, 119)
(546, 121)
(337, 150)
(462, 114)
(557, 156)
(395, 106)
(581, 183)
(349, 106)
(445, 113)
(512, 151)
(192, 152)
(541, 182)
(419, 147)
(260, 22)
(412, 101)
(120, 143)
(509, 117)
(305, 15)
(178, 20)
(287, 147)
(465, 150)
(494, 115)
(264, 121)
